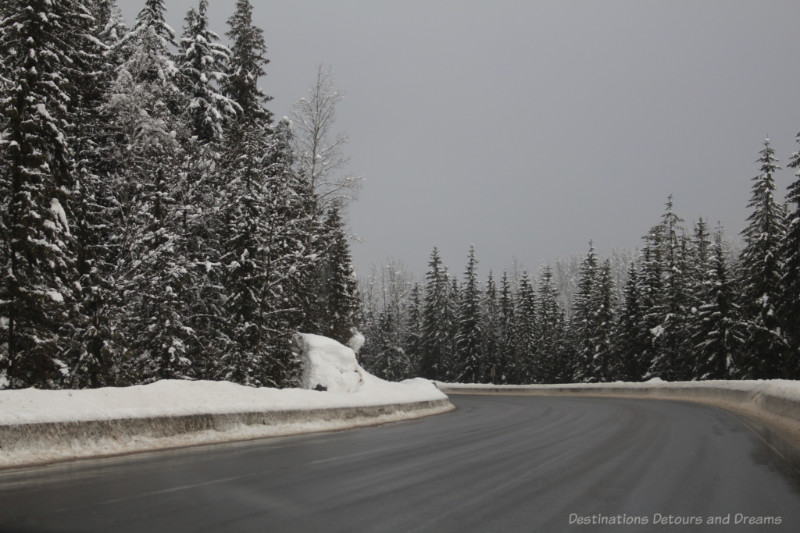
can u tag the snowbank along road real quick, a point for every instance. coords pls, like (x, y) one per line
(497, 463)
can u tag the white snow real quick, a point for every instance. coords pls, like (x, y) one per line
(784, 388)
(328, 364)
(55, 296)
(356, 342)
(60, 214)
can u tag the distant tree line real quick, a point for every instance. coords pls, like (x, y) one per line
(689, 309)
(155, 221)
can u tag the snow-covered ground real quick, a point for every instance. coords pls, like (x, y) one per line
(789, 389)
(328, 365)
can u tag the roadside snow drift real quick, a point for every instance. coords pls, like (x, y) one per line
(46, 425)
(775, 403)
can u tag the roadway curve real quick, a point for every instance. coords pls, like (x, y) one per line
(497, 463)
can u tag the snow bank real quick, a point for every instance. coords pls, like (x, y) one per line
(44, 425)
(788, 389)
(775, 403)
(333, 367)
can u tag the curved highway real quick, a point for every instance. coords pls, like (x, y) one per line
(497, 463)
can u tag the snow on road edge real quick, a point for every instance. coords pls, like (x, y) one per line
(48, 425)
(772, 403)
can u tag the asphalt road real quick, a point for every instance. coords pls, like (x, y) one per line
(497, 463)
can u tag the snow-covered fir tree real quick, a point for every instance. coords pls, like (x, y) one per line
(491, 333)
(94, 352)
(789, 304)
(338, 289)
(582, 313)
(145, 101)
(761, 275)
(391, 321)
(669, 334)
(507, 360)
(41, 43)
(246, 66)
(244, 256)
(389, 360)
(651, 294)
(202, 64)
(470, 361)
(552, 365)
(529, 368)
(435, 343)
(718, 334)
(412, 340)
(601, 326)
(632, 339)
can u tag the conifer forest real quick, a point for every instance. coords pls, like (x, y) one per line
(686, 306)
(159, 223)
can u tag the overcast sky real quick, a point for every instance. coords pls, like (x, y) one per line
(527, 128)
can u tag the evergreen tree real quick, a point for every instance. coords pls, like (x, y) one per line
(247, 61)
(145, 101)
(507, 355)
(761, 272)
(549, 354)
(469, 336)
(243, 220)
(491, 333)
(668, 319)
(651, 295)
(202, 62)
(699, 270)
(265, 263)
(601, 326)
(789, 304)
(94, 349)
(451, 318)
(525, 333)
(390, 361)
(339, 286)
(412, 341)
(582, 313)
(39, 44)
(718, 336)
(435, 345)
(632, 339)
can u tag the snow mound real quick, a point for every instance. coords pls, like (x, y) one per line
(332, 367)
(329, 365)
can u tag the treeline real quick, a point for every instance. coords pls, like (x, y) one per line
(156, 222)
(689, 309)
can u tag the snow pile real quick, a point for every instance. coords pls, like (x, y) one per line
(227, 411)
(330, 366)
(327, 363)
(784, 388)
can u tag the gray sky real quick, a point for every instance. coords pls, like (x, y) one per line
(527, 128)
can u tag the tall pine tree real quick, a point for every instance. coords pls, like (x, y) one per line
(761, 273)
(435, 345)
(470, 360)
(339, 287)
(632, 339)
(718, 335)
(40, 43)
(789, 304)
